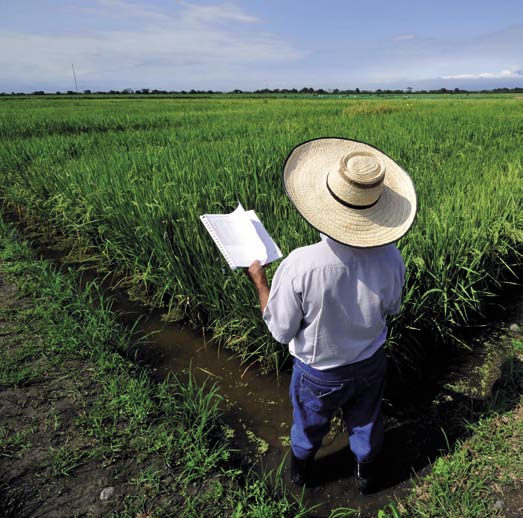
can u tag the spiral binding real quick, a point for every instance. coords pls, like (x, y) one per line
(216, 239)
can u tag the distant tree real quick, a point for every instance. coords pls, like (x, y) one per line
(87, 92)
(38, 92)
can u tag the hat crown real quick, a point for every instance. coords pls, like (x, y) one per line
(358, 182)
(362, 168)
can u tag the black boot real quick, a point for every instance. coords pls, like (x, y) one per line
(299, 470)
(366, 475)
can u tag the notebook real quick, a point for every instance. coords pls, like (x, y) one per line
(241, 238)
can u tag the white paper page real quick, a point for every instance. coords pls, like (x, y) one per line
(243, 237)
(235, 239)
(266, 250)
(237, 235)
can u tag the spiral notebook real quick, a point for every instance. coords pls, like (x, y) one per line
(241, 238)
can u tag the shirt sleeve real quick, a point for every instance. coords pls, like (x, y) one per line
(397, 293)
(283, 313)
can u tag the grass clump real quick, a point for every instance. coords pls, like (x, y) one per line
(482, 476)
(477, 478)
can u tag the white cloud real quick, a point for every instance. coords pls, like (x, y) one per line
(184, 12)
(404, 37)
(118, 9)
(514, 72)
(214, 13)
(187, 47)
(437, 59)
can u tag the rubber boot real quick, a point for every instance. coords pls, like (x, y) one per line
(366, 476)
(299, 470)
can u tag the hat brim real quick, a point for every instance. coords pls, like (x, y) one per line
(305, 180)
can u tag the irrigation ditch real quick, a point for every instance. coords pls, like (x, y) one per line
(424, 413)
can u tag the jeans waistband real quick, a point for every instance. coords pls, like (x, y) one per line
(345, 372)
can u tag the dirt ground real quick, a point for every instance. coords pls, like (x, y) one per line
(46, 470)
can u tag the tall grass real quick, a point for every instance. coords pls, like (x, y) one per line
(132, 177)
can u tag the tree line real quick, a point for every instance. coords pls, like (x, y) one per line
(268, 91)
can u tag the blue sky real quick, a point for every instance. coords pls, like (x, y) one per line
(184, 44)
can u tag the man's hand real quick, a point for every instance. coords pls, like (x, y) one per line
(256, 272)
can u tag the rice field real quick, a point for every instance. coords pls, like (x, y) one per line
(131, 177)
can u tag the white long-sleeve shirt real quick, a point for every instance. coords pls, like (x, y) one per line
(329, 301)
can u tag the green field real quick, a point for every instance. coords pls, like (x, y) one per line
(131, 176)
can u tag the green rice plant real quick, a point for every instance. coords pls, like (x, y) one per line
(131, 178)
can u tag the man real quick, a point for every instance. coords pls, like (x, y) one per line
(329, 301)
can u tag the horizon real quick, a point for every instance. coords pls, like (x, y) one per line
(268, 91)
(256, 45)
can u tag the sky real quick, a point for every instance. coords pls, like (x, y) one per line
(224, 45)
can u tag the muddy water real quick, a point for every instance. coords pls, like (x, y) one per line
(420, 423)
(258, 409)
(260, 402)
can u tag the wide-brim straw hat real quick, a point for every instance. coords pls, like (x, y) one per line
(350, 191)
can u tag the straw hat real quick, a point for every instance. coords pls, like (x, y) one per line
(350, 191)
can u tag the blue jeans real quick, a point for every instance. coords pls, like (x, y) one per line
(356, 388)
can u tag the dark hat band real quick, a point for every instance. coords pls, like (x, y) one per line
(351, 205)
